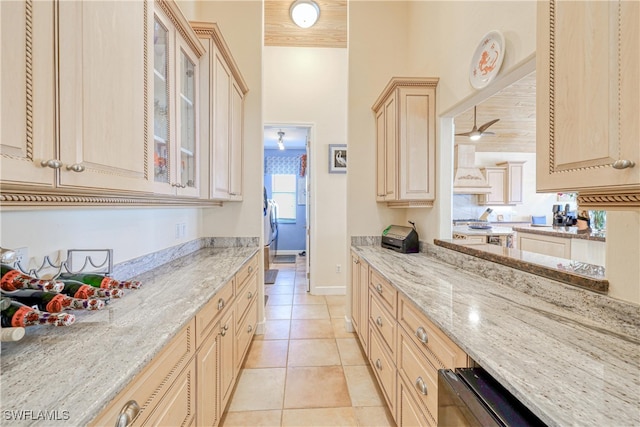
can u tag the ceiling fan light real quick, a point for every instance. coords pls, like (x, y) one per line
(474, 136)
(304, 13)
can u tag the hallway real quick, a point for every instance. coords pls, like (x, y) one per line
(306, 370)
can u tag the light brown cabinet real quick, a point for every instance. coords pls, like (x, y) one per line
(405, 117)
(360, 299)
(405, 349)
(223, 91)
(505, 180)
(191, 380)
(588, 80)
(83, 69)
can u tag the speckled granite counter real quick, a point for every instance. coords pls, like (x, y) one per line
(564, 232)
(572, 356)
(576, 273)
(74, 372)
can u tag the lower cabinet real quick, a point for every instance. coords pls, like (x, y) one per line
(191, 380)
(405, 350)
(558, 247)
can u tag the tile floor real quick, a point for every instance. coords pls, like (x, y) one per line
(306, 370)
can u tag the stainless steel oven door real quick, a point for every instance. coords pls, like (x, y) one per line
(458, 406)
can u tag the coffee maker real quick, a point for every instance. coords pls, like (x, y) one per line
(562, 217)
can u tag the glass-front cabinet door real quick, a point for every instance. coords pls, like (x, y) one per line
(187, 121)
(161, 105)
(175, 106)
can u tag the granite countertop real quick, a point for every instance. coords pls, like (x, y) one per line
(568, 368)
(564, 232)
(81, 368)
(493, 231)
(588, 276)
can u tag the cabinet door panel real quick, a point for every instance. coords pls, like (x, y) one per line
(177, 408)
(102, 94)
(380, 155)
(390, 149)
(588, 79)
(221, 114)
(207, 384)
(27, 119)
(236, 149)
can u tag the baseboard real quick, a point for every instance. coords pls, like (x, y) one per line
(287, 251)
(261, 327)
(348, 324)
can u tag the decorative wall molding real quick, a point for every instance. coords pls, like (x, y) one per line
(604, 201)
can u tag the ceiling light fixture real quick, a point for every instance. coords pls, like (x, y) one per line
(304, 13)
(280, 142)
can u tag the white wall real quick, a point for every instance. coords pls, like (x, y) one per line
(309, 86)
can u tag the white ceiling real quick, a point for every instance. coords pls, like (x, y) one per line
(295, 137)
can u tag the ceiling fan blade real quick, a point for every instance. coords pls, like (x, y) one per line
(463, 134)
(488, 133)
(486, 125)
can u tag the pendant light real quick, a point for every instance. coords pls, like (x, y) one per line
(280, 142)
(304, 13)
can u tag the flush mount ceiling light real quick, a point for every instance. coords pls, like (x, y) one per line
(304, 13)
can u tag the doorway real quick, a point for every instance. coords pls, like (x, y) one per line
(286, 191)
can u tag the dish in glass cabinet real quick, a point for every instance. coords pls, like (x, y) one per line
(487, 59)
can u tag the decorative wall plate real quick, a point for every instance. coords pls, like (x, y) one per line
(487, 59)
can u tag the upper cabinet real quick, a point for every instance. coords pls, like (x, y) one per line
(588, 81)
(223, 91)
(505, 180)
(73, 84)
(405, 116)
(176, 80)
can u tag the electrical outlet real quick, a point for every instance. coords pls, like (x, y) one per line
(22, 257)
(338, 268)
(181, 230)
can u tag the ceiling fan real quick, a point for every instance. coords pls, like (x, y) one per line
(478, 132)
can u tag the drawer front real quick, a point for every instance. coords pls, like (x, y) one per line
(409, 411)
(149, 386)
(385, 291)
(244, 274)
(384, 368)
(177, 408)
(246, 297)
(439, 349)
(208, 315)
(245, 332)
(420, 377)
(384, 323)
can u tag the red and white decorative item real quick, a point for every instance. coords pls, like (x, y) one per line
(487, 59)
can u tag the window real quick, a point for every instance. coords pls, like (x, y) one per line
(283, 191)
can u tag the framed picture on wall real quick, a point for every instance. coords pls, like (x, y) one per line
(337, 158)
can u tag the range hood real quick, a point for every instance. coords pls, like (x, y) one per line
(467, 177)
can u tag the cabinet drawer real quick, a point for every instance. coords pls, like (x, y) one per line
(420, 377)
(244, 274)
(245, 297)
(245, 332)
(177, 408)
(208, 315)
(149, 386)
(439, 349)
(385, 290)
(384, 368)
(409, 411)
(384, 323)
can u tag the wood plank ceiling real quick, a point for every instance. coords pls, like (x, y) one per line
(329, 31)
(515, 106)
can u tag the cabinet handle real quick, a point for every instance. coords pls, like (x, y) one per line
(357, 261)
(225, 327)
(52, 163)
(379, 321)
(381, 195)
(233, 194)
(623, 164)
(220, 304)
(127, 414)
(422, 335)
(249, 295)
(76, 167)
(223, 332)
(379, 288)
(421, 386)
(249, 329)
(178, 185)
(379, 364)
(250, 269)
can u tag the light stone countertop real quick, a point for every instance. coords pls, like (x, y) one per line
(566, 367)
(74, 372)
(493, 231)
(563, 232)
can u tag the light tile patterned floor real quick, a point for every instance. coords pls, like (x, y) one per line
(306, 370)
